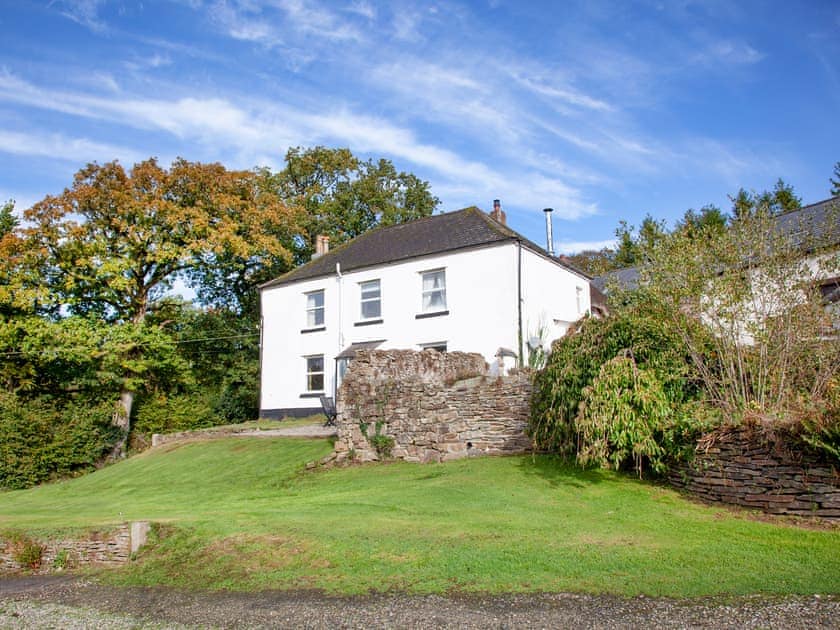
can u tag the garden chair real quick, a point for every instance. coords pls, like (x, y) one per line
(328, 405)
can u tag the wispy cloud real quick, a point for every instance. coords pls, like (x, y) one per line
(60, 147)
(281, 22)
(730, 53)
(365, 9)
(565, 95)
(244, 26)
(406, 25)
(84, 12)
(312, 19)
(261, 128)
(444, 93)
(150, 62)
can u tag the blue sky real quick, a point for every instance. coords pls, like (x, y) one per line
(602, 110)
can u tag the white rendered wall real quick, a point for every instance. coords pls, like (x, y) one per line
(480, 297)
(552, 299)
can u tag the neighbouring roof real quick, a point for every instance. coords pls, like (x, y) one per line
(624, 279)
(436, 234)
(818, 222)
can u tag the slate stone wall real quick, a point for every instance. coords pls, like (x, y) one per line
(435, 406)
(740, 466)
(113, 547)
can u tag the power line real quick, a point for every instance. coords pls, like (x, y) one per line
(174, 342)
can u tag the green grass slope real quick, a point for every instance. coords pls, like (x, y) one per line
(243, 514)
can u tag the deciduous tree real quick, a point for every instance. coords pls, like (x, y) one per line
(344, 196)
(113, 243)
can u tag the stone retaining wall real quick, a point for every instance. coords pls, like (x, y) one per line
(109, 548)
(194, 435)
(740, 466)
(435, 406)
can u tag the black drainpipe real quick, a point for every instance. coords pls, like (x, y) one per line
(262, 332)
(519, 299)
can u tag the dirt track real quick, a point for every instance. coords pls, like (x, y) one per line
(67, 602)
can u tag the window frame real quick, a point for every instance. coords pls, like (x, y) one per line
(310, 373)
(313, 310)
(424, 291)
(435, 345)
(363, 300)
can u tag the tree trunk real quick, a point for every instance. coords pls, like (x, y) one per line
(122, 420)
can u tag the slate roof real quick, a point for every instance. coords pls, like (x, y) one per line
(625, 279)
(815, 223)
(435, 234)
(820, 220)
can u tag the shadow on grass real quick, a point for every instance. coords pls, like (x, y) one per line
(559, 472)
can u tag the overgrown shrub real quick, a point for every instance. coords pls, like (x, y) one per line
(168, 413)
(819, 423)
(26, 552)
(576, 360)
(626, 419)
(755, 287)
(47, 437)
(238, 399)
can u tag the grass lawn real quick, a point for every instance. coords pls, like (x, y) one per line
(243, 514)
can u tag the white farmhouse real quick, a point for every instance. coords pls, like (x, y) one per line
(459, 281)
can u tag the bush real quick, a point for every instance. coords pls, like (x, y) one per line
(26, 552)
(46, 437)
(169, 413)
(238, 401)
(576, 360)
(755, 287)
(626, 419)
(819, 424)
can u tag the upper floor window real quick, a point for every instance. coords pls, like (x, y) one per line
(434, 290)
(371, 299)
(315, 309)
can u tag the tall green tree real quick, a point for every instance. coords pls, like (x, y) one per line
(343, 196)
(8, 220)
(594, 262)
(835, 181)
(781, 199)
(631, 243)
(709, 219)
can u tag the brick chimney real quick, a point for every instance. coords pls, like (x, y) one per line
(498, 213)
(322, 245)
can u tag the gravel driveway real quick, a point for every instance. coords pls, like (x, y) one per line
(67, 602)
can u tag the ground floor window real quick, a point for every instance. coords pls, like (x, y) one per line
(315, 373)
(440, 346)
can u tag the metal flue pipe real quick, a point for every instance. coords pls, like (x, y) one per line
(549, 234)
